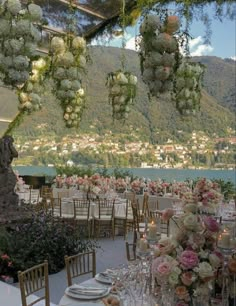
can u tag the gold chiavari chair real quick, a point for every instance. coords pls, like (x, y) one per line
(139, 226)
(33, 280)
(126, 221)
(130, 251)
(82, 214)
(104, 220)
(80, 264)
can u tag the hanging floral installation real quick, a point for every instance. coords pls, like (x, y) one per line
(122, 92)
(19, 36)
(68, 61)
(158, 49)
(187, 87)
(121, 84)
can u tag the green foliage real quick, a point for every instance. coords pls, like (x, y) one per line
(42, 237)
(227, 188)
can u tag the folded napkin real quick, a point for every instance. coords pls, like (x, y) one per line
(91, 291)
(105, 275)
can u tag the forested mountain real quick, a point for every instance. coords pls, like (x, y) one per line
(155, 120)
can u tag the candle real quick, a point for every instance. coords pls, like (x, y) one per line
(143, 245)
(152, 230)
(224, 240)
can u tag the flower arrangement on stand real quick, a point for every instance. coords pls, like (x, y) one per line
(186, 264)
(187, 87)
(68, 63)
(19, 35)
(122, 92)
(158, 49)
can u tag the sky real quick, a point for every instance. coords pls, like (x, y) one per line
(223, 38)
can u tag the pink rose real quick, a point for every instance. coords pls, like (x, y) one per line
(211, 224)
(167, 214)
(187, 278)
(164, 269)
(188, 259)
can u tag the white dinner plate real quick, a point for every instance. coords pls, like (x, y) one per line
(81, 296)
(103, 279)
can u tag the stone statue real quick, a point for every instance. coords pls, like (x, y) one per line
(7, 177)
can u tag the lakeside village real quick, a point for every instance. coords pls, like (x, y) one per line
(198, 152)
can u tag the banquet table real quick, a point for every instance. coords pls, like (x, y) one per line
(164, 202)
(68, 207)
(11, 296)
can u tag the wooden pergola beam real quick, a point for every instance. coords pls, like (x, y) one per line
(83, 9)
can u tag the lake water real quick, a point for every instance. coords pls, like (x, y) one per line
(167, 174)
(182, 174)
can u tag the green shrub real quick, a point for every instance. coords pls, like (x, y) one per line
(43, 237)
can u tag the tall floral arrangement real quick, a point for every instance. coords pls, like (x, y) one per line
(122, 92)
(19, 35)
(158, 49)
(186, 264)
(67, 65)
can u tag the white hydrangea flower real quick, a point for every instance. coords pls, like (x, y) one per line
(121, 78)
(60, 73)
(133, 79)
(23, 27)
(28, 105)
(72, 73)
(65, 84)
(34, 98)
(39, 64)
(35, 12)
(81, 92)
(79, 43)
(70, 94)
(66, 59)
(30, 48)
(4, 27)
(14, 6)
(75, 85)
(35, 33)
(23, 97)
(21, 62)
(58, 45)
(66, 116)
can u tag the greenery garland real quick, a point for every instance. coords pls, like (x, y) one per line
(122, 92)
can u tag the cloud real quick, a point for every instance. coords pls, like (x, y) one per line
(130, 44)
(198, 48)
(233, 58)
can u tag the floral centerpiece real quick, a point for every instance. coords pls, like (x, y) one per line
(208, 195)
(158, 48)
(138, 186)
(120, 184)
(122, 92)
(67, 65)
(186, 264)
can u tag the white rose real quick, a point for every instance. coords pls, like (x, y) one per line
(190, 208)
(190, 222)
(204, 270)
(80, 92)
(214, 260)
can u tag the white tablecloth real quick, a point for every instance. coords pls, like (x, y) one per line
(67, 207)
